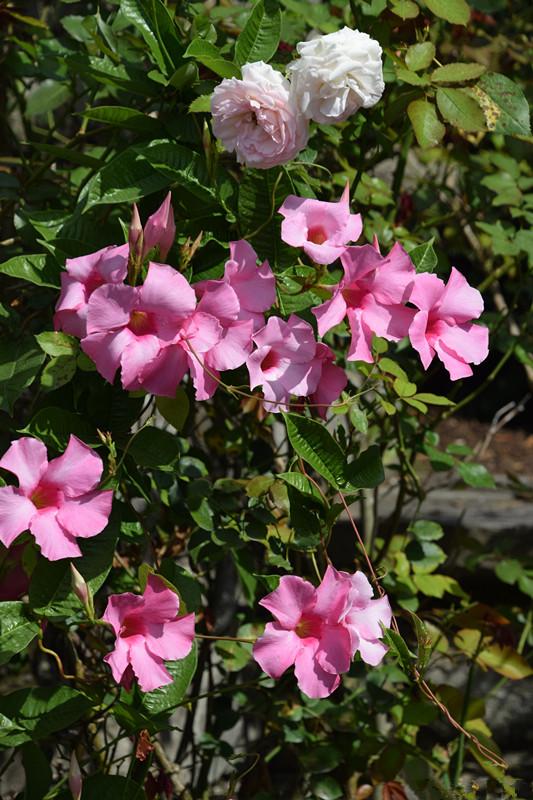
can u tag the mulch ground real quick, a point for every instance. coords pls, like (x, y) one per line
(509, 451)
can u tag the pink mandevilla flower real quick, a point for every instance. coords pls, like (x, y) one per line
(148, 633)
(57, 501)
(323, 229)
(319, 630)
(443, 323)
(159, 231)
(83, 275)
(288, 361)
(371, 295)
(148, 331)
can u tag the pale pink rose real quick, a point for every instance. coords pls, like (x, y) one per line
(148, 633)
(288, 362)
(371, 295)
(83, 275)
(256, 118)
(57, 501)
(159, 231)
(443, 325)
(319, 630)
(322, 229)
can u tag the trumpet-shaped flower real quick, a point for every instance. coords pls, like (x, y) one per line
(319, 630)
(322, 229)
(148, 633)
(288, 361)
(443, 323)
(83, 275)
(57, 501)
(371, 296)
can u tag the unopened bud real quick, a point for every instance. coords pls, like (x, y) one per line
(82, 591)
(74, 777)
(160, 229)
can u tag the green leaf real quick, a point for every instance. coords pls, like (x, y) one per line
(504, 104)
(426, 531)
(434, 399)
(366, 472)
(46, 97)
(405, 9)
(51, 592)
(358, 418)
(455, 11)
(419, 56)
(503, 659)
(16, 630)
(457, 73)
(459, 108)
(301, 483)
(436, 585)
(261, 193)
(187, 584)
(399, 649)
(426, 125)
(509, 570)
(259, 39)
(392, 368)
(54, 426)
(327, 789)
(20, 361)
(40, 712)
(40, 269)
(174, 409)
(58, 372)
(412, 78)
(202, 104)
(140, 170)
(312, 442)
(207, 54)
(424, 642)
(167, 698)
(38, 772)
(476, 475)
(404, 388)
(122, 117)
(158, 30)
(54, 343)
(423, 256)
(154, 448)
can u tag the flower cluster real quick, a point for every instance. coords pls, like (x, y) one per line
(320, 630)
(264, 117)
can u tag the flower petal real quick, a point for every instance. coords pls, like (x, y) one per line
(330, 313)
(172, 640)
(276, 650)
(26, 458)
(167, 291)
(334, 652)
(288, 601)
(312, 679)
(77, 471)
(149, 669)
(16, 512)
(459, 300)
(118, 659)
(87, 515)
(55, 542)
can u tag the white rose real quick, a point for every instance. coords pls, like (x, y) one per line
(336, 75)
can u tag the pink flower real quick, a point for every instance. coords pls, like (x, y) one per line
(256, 118)
(148, 633)
(331, 379)
(254, 286)
(147, 330)
(159, 231)
(83, 276)
(371, 296)
(319, 630)
(443, 323)
(322, 229)
(288, 361)
(56, 501)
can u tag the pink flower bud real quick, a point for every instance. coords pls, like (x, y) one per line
(135, 235)
(81, 590)
(160, 229)
(74, 777)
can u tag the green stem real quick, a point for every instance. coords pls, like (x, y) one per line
(458, 760)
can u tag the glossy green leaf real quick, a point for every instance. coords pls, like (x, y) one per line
(167, 698)
(259, 39)
(366, 471)
(312, 442)
(55, 343)
(55, 425)
(41, 712)
(454, 11)
(457, 73)
(209, 55)
(154, 448)
(17, 630)
(459, 108)
(40, 269)
(174, 409)
(419, 56)
(504, 104)
(476, 475)
(20, 362)
(427, 126)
